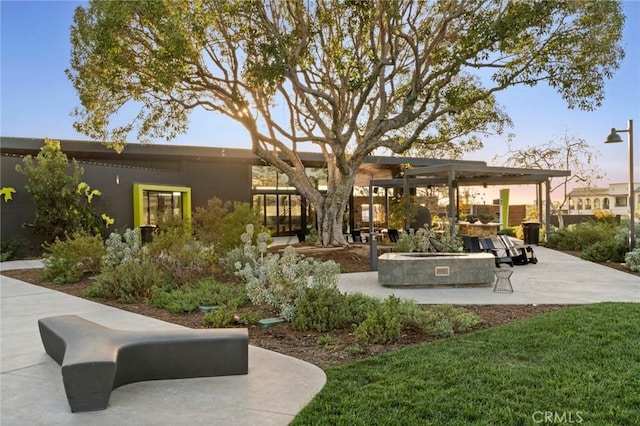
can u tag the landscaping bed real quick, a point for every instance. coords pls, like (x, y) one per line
(320, 348)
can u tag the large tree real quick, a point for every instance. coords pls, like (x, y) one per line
(347, 77)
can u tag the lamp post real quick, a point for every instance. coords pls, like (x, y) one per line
(614, 137)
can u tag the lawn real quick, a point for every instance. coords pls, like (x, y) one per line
(576, 365)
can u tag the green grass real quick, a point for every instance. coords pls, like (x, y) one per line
(582, 363)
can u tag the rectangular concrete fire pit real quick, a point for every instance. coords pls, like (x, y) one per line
(436, 269)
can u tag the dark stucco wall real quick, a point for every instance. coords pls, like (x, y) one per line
(207, 179)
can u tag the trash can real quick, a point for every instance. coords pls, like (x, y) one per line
(146, 232)
(531, 231)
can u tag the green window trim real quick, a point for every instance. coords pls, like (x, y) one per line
(138, 197)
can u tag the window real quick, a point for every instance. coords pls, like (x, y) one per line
(587, 204)
(579, 203)
(621, 201)
(596, 203)
(605, 203)
(269, 178)
(154, 203)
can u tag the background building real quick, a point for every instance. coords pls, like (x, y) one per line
(612, 199)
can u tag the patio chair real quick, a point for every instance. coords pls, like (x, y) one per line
(471, 244)
(394, 235)
(521, 254)
(488, 246)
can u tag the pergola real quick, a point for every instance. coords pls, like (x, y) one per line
(455, 175)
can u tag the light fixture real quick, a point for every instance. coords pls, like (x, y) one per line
(614, 137)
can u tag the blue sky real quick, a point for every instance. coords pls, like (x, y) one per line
(37, 97)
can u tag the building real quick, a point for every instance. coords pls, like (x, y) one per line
(612, 199)
(147, 182)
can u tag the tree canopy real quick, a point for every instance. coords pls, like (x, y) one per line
(62, 201)
(346, 77)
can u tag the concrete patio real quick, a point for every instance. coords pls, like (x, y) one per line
(557, 278)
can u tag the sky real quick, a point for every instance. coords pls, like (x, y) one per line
(36, 97)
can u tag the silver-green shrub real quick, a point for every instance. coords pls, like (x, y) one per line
(123, 248)
(280, 282)
(127, 273)
(419, 241)
(632, 260)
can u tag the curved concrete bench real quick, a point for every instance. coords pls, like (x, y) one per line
(97, 359)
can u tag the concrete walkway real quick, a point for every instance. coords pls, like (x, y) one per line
(275, 390)
(277, 386)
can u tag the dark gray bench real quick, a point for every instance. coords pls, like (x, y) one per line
(97, 359)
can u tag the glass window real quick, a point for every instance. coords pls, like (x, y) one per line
(579, 203)
(268, 177)
(605, 203)
(160, 206)
(596, 203)
(154, 203)
(587, 203)
(621, 201)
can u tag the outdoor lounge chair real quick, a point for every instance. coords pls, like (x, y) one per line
(521, 254)
(487, 245)
(471, 244)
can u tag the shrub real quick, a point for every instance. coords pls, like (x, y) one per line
(420, 241)
(247, 317)
(234, 257)
(207, 220)
(632, 260)
(386, 322)
(359, 305)
(327, 342)
(321, 309)
(235, 223)
(444, 320)
(382, 325)
(67, 261)
(508, 231)
(221, 317)
(184, 259)
(207, 292)
(604, 251)
(578, 237)
(221, 223)
(12, 248)
(280, 282)
(62, 202)
(129, 282)
(123, 248)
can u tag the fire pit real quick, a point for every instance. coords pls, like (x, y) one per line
(436, 269)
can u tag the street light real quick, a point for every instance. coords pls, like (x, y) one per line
(614, 137)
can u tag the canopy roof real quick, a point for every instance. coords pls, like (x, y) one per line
(468, 174)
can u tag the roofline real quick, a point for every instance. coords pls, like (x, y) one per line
(83, 149)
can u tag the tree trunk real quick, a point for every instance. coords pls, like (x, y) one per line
(330, 213)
